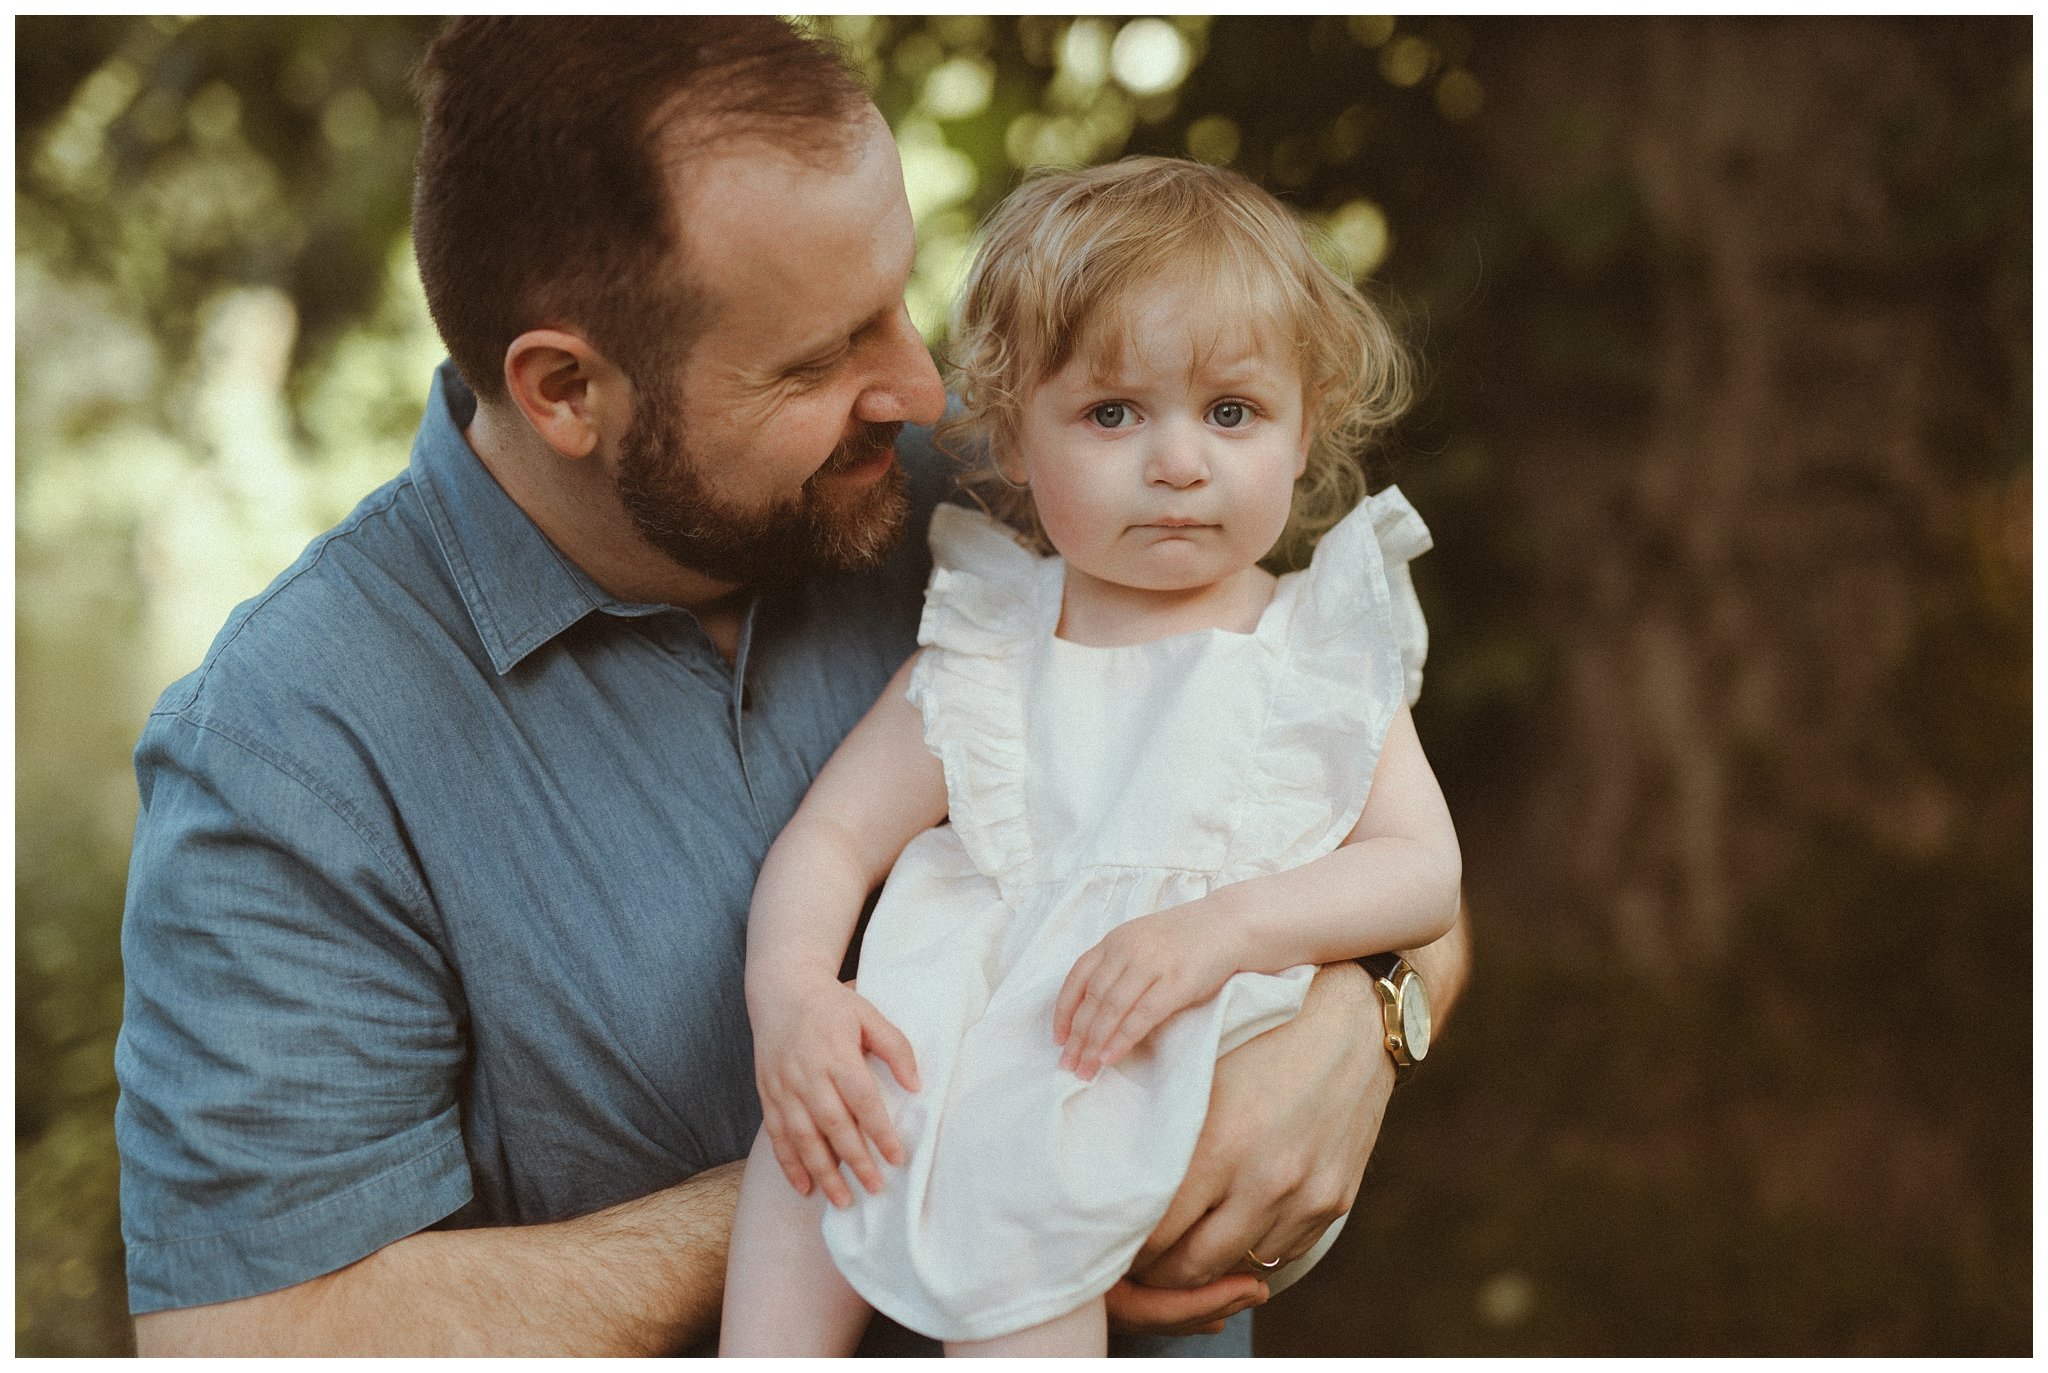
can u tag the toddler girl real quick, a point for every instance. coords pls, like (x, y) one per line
(1126, 796)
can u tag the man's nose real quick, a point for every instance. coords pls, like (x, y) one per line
(906, 387)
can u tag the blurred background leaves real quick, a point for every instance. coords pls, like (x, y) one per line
(1726, 445)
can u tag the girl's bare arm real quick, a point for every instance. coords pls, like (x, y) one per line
(819, 1100)
(1392, 884)
(879, 790)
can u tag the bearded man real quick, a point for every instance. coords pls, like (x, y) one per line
(434, 1036)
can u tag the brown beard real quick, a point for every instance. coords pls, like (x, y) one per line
(816, 530)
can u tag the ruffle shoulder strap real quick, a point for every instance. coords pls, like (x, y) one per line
(980, 620)
(1403, 537)
(1354, 649)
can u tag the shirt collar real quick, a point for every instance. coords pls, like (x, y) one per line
(520, 590)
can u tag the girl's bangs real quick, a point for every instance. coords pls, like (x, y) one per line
(1247, 307)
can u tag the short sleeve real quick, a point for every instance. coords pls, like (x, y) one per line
(291, 1041)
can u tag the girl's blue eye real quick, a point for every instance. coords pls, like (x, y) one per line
(1230, 414)
(1110, 414)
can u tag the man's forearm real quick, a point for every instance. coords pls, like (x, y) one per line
(1445, 965)
(641, 1278)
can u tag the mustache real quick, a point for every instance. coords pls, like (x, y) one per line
(864, 445)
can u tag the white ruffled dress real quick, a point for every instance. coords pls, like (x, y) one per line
(1087, 786)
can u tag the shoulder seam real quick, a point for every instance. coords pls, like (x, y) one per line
(319, 545)
(413, 891)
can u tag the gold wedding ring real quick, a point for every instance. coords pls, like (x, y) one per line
(1260, 1263)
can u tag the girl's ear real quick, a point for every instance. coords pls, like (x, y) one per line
(1005, 467)
(1311, 415)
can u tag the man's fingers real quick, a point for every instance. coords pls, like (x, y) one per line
(1202, 1188)
(1291, 1236)
(1173, 1311)
(1214, 1245)
(889, 1044)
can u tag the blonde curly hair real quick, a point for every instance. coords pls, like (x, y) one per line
(1063, 257)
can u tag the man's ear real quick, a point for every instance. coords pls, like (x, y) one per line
(567, 390)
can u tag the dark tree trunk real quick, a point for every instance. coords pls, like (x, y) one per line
(1750, 537)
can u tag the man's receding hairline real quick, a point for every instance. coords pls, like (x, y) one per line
(680, 135)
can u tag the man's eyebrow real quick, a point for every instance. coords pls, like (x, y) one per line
(828, 343)
(816, 352)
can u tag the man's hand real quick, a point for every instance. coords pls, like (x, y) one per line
(819, 1099)
(1293, 1114)
(1292, 1118)
(1174, 1311)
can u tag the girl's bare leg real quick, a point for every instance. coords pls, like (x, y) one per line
(1082, 1333)
(782, 1294)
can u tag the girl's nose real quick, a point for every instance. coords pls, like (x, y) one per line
(1177, 463)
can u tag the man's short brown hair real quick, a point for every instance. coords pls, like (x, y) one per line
(541, 197)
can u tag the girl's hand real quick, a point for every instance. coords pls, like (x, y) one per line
(1143, 971)
(819, 1099)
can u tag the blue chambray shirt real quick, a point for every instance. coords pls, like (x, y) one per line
(439, 888)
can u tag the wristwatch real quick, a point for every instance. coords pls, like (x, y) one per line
(1404, 1009)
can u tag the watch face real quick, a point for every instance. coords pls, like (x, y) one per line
(1415, 1017)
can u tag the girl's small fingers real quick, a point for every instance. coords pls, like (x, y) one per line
(1115, 1008)
(1070, 993)
(1077, 1032)
(1135, 1027)
(1150, 1011)
(889, 1044)
(871, 1113)
(786, 1156)
(845, 1141)
(824, 1170)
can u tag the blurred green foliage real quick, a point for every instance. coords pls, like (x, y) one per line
(221, 345)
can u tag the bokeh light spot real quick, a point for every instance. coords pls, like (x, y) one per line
(963, 32)
(1347, 133)
(1149, 56)
(350, 122)
(106, 92)
(1505, 1299)
(1214, 138)
(214, 113)
(1406, 60)
(936, 176)
(1084, 53)
(959, 87)
(918, 54)
(1358, 238)
(1459, 97)
(1370, 30)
